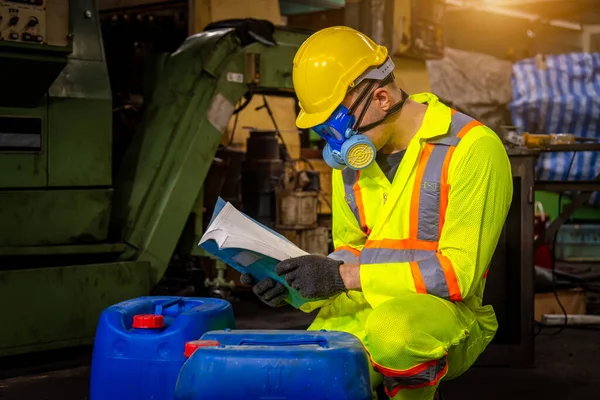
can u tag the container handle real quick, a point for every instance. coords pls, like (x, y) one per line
(291, 342)
(158, 309)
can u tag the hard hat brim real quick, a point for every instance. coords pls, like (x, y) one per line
(306, 121)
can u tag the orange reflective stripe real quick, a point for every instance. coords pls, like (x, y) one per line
(414, 202)
(444, 189)
(451, 280)
(360, 206)
(352, 250)
(407, 372)
(452, 111)
(401, 244)
(347, 254)
(467, 128)
(426, 374)
(447, 164)
(418, 278)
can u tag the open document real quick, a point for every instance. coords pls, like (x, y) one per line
(248, 246)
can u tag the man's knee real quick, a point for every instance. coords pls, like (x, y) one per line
(402, 340)
(416, 324)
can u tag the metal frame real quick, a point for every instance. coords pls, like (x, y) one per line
(566, 186)
(510, 287)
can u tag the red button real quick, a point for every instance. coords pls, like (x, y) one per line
(190, 347)
(148, 321)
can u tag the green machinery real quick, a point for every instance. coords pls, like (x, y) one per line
(72, 240)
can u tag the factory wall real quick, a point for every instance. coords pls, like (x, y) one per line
(506, 37)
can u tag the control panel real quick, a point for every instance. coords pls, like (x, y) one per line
(23, 21)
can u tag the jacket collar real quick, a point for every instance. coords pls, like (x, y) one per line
(437, 116)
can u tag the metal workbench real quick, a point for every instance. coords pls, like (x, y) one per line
(585, 187)
(510, 287)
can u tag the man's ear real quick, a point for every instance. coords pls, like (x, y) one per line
(382, 97)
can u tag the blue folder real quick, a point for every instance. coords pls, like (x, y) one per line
(262, 268)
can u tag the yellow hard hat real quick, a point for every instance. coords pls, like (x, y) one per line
(326, 65)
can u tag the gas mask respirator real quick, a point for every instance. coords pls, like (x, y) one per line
(347, 146)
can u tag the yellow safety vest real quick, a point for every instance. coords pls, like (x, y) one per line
(433, 230)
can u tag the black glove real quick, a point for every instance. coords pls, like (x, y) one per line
(313, 276)
(268, 290)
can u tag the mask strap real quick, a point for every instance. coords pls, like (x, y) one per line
(389, 78)
(361, 98)
(391, 111)
(368, 91)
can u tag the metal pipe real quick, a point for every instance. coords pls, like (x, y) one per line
(574, 319)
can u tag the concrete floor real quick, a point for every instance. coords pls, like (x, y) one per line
(566, 368)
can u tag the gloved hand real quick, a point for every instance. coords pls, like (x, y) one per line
(313, 276)
(268, 290)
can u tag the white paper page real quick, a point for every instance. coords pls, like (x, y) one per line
(231, 229)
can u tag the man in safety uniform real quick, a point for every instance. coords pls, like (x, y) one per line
(414, 231)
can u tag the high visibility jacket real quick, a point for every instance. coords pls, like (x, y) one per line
(433, 230)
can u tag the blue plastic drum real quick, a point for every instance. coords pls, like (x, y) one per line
(140, 343)
(275, 365)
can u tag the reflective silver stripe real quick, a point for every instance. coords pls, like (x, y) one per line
(428, 376)
(433, 277)
(448, 141)
(430, 190)
(350, 177)
(383, 255)
(429, 200)
(345, 256)
(459, 121)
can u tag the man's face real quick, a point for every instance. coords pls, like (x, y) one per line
(378, 107)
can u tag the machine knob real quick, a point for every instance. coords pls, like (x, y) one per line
(13, 21)
(33, 21)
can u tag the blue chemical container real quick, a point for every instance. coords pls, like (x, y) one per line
(139, 346)
(276, 365)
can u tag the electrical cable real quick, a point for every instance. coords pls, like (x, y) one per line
(247, 97)
(246, 100)
(554, 237)
(560, 196)
(235, 121)
(286, 153)
(562, 308)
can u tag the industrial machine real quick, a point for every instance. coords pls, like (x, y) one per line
(73, 239)
(420, 26)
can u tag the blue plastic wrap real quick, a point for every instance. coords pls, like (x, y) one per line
(263, 267)
(564, 97)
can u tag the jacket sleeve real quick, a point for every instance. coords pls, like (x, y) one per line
(479, 196)
(348, 238)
